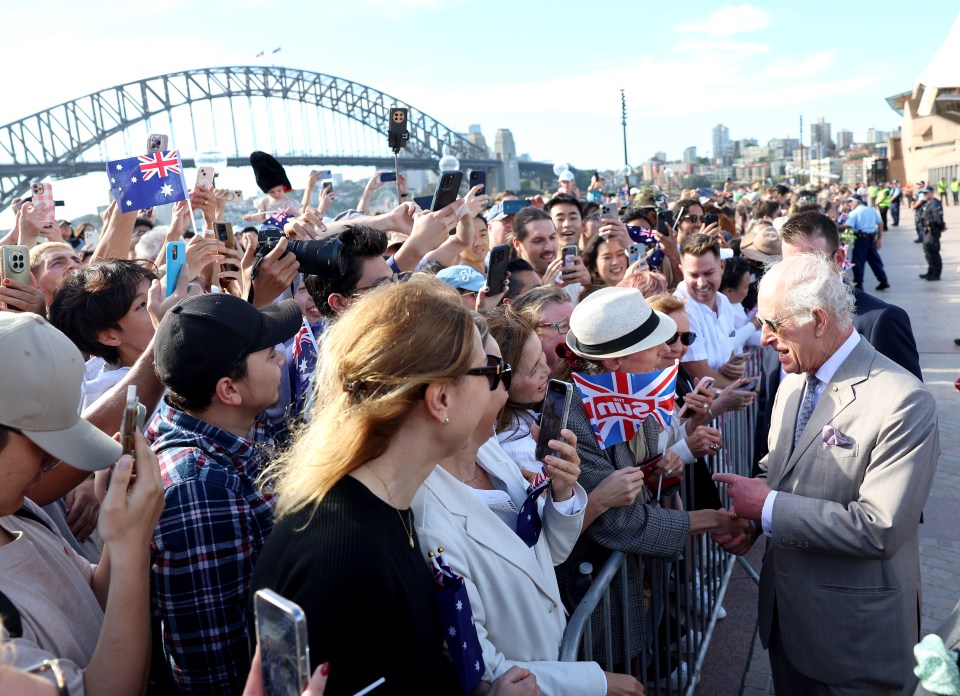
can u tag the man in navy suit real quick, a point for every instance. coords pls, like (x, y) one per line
(885, 326)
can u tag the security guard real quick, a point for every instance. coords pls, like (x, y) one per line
(883, 203)
(933, 225)
(918, 212)
(942, 190)
(955, 190)
(867, 227)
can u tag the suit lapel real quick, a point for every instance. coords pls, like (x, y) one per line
(837, 395)
(787, 424)
(484, 527)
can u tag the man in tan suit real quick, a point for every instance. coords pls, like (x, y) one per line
(853, 449)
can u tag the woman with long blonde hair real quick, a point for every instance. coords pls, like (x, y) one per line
(403, 382)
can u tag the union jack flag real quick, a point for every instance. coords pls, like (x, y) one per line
(529, 524)
(302, 367)
(160, 164)
(617, 403)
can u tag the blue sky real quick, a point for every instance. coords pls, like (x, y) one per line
(551, 72)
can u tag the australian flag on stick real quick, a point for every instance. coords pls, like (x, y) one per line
(617, 403)
(459, 629)
(302, 367)
(147, 181)
(529, 524)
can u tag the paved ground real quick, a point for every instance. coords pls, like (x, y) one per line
(736, 662)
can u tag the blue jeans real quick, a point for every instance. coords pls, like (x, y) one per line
(865, 252)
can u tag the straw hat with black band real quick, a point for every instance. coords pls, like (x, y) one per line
(615, 323)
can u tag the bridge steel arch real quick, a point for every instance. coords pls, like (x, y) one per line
(59, 135)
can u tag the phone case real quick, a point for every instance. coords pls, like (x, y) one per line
(545, 432)
(284, 644)
(43, 195)
(16, 263)
(176, 258)
(205, 178)
(497, 272)
(448, 188)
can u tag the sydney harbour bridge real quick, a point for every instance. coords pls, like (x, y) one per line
(302, 117)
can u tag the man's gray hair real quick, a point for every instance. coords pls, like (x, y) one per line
(805, 282)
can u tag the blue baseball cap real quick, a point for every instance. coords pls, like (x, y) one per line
(462, 278)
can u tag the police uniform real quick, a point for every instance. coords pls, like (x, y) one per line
(931, 216)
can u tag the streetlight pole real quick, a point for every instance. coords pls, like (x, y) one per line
(623, 122)
(801, 147)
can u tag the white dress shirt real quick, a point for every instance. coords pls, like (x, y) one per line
(715, 330)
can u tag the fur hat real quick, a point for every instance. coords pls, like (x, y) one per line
(269, 172)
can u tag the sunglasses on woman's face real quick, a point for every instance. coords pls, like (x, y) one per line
(496, 371)
(686, 338)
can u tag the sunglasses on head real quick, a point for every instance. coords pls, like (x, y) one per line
(496, 371)
(686, 338)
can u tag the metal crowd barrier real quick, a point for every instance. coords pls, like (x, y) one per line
(682, 610)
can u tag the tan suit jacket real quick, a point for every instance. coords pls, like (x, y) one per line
(841, 573)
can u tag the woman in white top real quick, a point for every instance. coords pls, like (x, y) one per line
(469, 506)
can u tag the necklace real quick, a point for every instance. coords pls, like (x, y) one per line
(476, 473)
(408, 530)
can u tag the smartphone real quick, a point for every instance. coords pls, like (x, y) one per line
(751, 385)
(397, 134)
(664, 218)
(556, 408)
(234, 195)
(667, 485)
(204, 179)
(16, 265)
(423, 201)
(128, 424)
(176, 258)
(608, 211)
(703, 387)
(327, 185)
(91, 238)
(513, 207)
(158, 142)
(322, 174)
(42, 194)
(448, 188)
(635, 251)
(567, 253)
(710, 219)
(284, 647)
(478, 177)
(387, 176)
(223, 231)
(497, 270)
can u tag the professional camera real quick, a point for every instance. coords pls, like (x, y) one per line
(321, 258)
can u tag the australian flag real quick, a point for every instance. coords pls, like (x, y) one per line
(302, 365)
(618, 403)
(458, 625)
(147, 181)
(277, 219)
(529, 523)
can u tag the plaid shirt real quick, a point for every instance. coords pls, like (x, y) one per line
(211, 531)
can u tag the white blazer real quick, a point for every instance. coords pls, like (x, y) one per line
(512, 588)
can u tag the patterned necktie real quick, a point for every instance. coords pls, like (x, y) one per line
(806, 408)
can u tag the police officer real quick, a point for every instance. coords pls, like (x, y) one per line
(867, 227)
(932, 219)
(918, 213)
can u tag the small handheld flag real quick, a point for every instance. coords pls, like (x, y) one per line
(617, 403)
(529, 524)
(302, 367)
(147, 181)
(458, 623)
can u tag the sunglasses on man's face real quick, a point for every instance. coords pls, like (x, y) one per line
(496, 371)
(685, 337)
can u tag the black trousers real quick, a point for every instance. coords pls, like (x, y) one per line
(883, 216)
(931, 249)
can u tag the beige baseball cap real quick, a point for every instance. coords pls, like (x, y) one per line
(41, 380)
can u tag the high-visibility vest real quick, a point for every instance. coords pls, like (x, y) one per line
(955, 186)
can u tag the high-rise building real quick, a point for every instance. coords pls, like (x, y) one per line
(844, 139)
(475, 136)
(820, 138)
(506, 152)
(721, 136)
(690, 155)
(875, 136)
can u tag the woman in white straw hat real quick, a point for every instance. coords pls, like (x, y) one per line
(615, 330)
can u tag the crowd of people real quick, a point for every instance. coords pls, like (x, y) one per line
(328, 479)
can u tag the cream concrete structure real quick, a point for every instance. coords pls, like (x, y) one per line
(930, 135)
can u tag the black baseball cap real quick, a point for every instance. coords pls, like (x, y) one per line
(203, 338)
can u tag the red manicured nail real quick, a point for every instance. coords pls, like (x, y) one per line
(325, 669)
